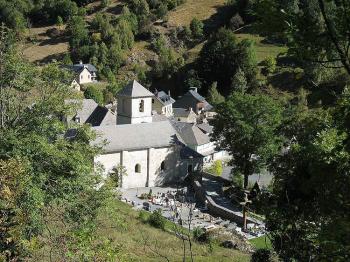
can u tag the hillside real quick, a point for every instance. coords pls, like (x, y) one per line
(137, 241)
(42, 48)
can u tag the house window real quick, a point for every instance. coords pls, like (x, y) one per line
(89, 76)
(152, 101)
(142, 106)
(81, 77)
(138, 168)
(162, 166)
(189, 168)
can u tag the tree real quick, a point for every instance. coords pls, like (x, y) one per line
(16, 79)
(222, 56)
(216, 168)
(95, 93)
(192, 79)
(117, 174)
(59, 21)
(312, 172)
(239, 81)
(246, 126)
(50, 191)
(196, 27)
(214, 97)
(324, 41)
(78, 32)
(13, 188)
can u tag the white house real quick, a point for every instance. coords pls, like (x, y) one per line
(153, 153)
(162, 103)
(83, 74)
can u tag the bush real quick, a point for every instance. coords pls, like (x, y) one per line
(201, 236)
(196, 27)
(270, 64)
(105, 3)
(236, 22)
(143, 216)
(157, 220)
(261, 255)
(197, 233)
(93, 92)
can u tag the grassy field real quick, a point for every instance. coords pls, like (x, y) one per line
(201, 9)
(138, 241)
(263, 50)
(261, 242)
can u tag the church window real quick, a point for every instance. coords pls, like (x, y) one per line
(152, 101)
(138, 168)
(162, 166)
(142, 106)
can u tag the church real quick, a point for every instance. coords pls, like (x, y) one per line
(150, 149)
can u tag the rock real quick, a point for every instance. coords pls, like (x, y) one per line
(229, 244)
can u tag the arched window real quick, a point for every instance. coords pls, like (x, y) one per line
(162, 166)
(142, 106)
(138, 168)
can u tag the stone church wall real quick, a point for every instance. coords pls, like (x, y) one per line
(151, 158)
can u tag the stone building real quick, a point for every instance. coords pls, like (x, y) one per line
(153, 153)
(163, 103)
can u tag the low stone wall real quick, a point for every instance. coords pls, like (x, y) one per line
(217, 209)
(219, 179)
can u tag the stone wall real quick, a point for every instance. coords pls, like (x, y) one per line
(150, 161)
(216, 209)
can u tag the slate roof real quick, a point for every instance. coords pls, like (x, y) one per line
(206, 128)
(182, 112)
(189, 153)
(77, 68)
(136, 136)
(135, 89)
(164, 98)
(190, 133)
(190, 99)
(90, 112)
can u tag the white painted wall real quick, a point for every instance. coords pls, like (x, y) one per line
(129, 110)
(84, 77)
(131, 158)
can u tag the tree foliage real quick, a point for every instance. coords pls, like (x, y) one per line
(313, 172)
(222, 56)
(214, 97)
(246, 126)
(49, 188)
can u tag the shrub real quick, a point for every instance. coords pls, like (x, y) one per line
(93, 92)
(197, 233)
(143, 216)
(270, 64)
(157, 220)
(196, 28)
(105, 3)
(261, 255)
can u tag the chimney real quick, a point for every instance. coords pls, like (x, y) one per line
(80, 62)
(190, 109)
(169, 93)
(194, 89)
